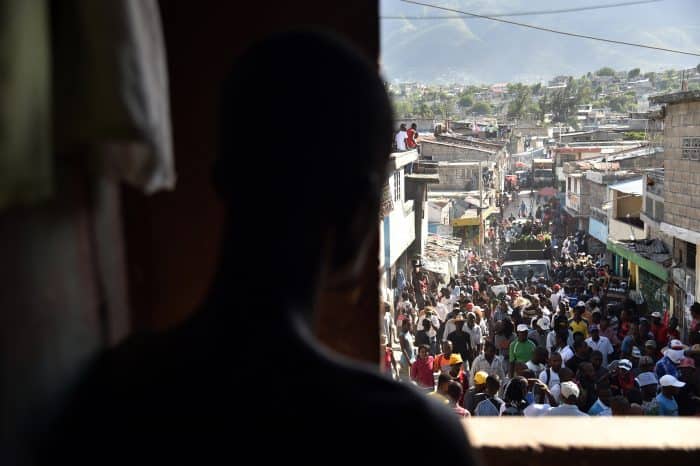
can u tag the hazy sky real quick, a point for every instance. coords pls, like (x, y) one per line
(479, 50)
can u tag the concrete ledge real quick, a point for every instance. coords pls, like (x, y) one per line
(619, 441)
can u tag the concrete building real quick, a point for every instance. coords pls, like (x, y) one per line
(636, 249)
(417, 191)
(681, 190)
(397, 228)
(494, 156)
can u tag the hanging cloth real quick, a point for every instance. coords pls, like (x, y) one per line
(25, 103)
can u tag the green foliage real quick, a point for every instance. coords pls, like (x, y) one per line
(521, 100)
(482, 108)
(465, 100)
(605, 71)
(402, 108)
(633, 136)
(633, 73)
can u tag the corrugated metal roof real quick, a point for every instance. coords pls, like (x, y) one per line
(629, 187)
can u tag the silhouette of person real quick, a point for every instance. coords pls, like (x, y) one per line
(192, 395)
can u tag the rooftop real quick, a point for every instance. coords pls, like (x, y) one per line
(652, 249)
(629, 186)
(676, 97)
(464, 146)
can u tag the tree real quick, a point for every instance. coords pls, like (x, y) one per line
(482, 108)
(424, 110)
(605, 71)
(465, 100)
(633, 73)
(518, 106)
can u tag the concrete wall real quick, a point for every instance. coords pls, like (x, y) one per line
(621, 231)
(443, 152)
(425, 125)
(437, 214)
(457, 177)
(682, 177)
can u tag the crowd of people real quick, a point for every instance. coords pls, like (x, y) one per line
(489, 344)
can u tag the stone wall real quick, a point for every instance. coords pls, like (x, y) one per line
(682, 176)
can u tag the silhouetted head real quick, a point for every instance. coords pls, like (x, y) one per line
(320, 190)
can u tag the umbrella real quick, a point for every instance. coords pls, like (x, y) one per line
(547, 191)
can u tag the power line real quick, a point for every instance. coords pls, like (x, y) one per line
(554, 31)
(527, 13)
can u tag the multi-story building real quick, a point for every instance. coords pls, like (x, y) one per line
(681, 190)
(397, 228)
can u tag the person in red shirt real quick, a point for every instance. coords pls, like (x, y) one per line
(672, 332)
(389, 362)
(659, 330)
(422, 369)
(412, 140)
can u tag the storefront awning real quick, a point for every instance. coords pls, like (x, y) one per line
(650, 266)
(471, 218)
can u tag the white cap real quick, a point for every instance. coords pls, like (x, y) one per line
(624, 364)
(670, 381)
(674, 355)
(656, 315)
(646, 378)
(568, 389)
(543, 323)
(522, 328)
(677, 345)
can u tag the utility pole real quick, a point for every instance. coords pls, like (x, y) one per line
(482, 230)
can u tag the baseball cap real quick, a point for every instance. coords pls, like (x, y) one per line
(646, 378)
(543, 323)
(670, 381)
(522, 328)
(568, 389)
(677, 345)
(656, 315)
(624, 364)
(556, 287)
(675, 355)
(687, 362)
(455, 358)
(480, 377)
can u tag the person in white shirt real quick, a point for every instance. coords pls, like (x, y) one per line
(488, 362)
(569, 399)
(401, 137)
(537, 363)
(562, 348)
(475, 334)
(555, 298)
(544, 401)
(550, 376)
(598, 343)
